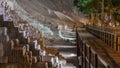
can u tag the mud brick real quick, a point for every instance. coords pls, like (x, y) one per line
(3, 31)
(41, 42)
(16, 42)
(21, 26)
(4, 39)
(19, 51)
(8, 47)
(1, 24)
(30, 56)
(8, 24)
(34, 59)
(29, 53)
(13, 33)
(1, 18)
(42, 52)
(31, 38)
(36, 52)
(28, 38)
(3, 59)
(27, 58)
(48, 59)
(16, 29)
(1, 50)
(39, 58)
(38, 47)
(24, 40)
(27, 47)
(32, 47)
(12, 44)
(24, 33)
(41, 65)
(20, 35)
(12, 59)
(23, 59)
(35, 42)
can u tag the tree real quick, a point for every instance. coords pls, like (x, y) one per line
(82, 5)
(91, 6)
(116, 9)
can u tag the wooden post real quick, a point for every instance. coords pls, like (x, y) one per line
(116, 42)
(107, 38)
(110, 40)
(89, 57)
(85, 64)
(107, 66)
(95, 61)
(113, 41)
(78, 48)
(82, 61)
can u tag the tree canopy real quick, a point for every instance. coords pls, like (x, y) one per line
(91, 6)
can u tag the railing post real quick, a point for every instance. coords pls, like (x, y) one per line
(79, 51)
(82, 46)
(104, 37)
(107, 66)
(89, 57)
(113, 40)
(95, 61)
(78, 47)
(107, 38)
(85, 64)
(82, 51)
(116, 42)
(82, 61)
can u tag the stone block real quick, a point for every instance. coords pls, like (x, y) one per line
(42, 65)
(3, 59)
(24, 40)
(12, 59)
(3, 31)
(34, 59)
(8, 24)
(1, 18)
(4, 39)
(19, 51)
(1, 50)
(16, 42)
(36, 52)
(39, 58)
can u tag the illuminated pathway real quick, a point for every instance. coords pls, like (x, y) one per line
(68, 50)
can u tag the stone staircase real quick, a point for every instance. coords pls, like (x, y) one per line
(67, 50)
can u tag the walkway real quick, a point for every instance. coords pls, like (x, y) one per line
(105, 52)
(68, 49)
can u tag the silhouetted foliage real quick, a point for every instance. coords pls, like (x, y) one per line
(91, 6)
